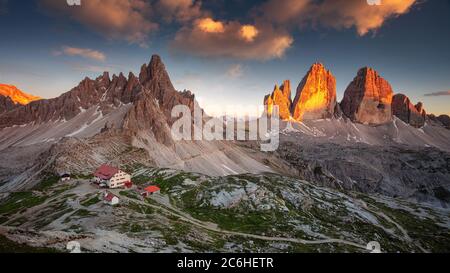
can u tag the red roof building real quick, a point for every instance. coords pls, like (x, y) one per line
(110, 198)
(152, 189)
(112, 177)
(106, 172)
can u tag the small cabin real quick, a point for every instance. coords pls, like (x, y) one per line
(151, 190)
(65, 177)
(110, 199)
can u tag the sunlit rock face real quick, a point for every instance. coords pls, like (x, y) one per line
(16, 95)
(281, 96)
(406, 111)
(316, 95)
(368, 98)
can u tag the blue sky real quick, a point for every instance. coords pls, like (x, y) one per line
(46, 48)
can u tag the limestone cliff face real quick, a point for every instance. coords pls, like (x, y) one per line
(281, 96)
(412, 114)
(316, 95)
(368, 98)
(6, 104)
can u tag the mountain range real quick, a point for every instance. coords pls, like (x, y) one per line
(100, 120)
(127, 120)
(369, 99)
(372, 167)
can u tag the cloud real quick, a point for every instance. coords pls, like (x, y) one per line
(249, 33)
(208, 25)
(235, 71)
(115, 19)
(81, 52)
(207, 37)
(268, 36)
(265, 35)
(337, 14)
(179, 10)
(437, 94)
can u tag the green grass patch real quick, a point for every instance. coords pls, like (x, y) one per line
(143, 209)
(129, 194)
(19, 201)
(47, 182)
(82, 213)
(92, 201)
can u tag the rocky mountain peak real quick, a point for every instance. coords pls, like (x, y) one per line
(316, 95)
(104, 78)
(408, 112)
(155, 71)
(286, 89)
(368, 98)
(281, 98)
(420, 109)
(16, 96)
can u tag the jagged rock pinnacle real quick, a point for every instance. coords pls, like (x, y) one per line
(368, 98)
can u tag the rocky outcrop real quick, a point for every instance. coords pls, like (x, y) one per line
(407, 112)
(442, 120)
(368, 98)
(316, 95)
(16, 95)
(281, 96)
(6, 104)
(445, 120)
(419, 107)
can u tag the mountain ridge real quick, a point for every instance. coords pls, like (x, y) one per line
(16, 95)
(133, 113)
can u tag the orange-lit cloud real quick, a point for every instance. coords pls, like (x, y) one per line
(366, 18)
(116, 19)
(333, 13)
(266, 36)
(82, 52)
(249, 33)
(225, 39)
(210, 26)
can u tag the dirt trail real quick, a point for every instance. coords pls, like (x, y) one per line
(213, 227)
